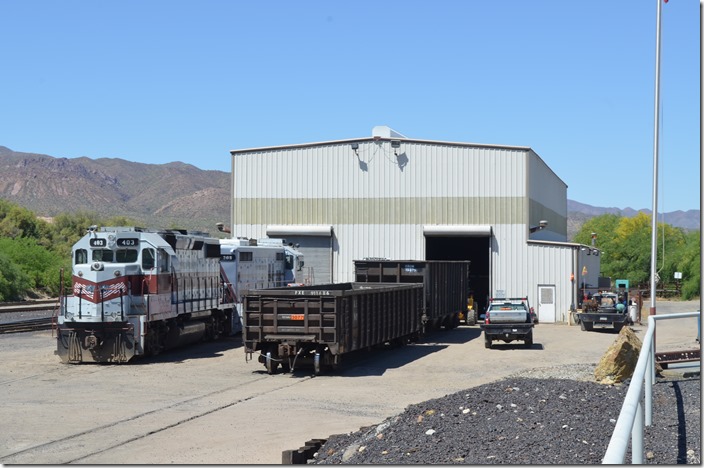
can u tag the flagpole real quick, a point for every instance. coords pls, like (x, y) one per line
(654, 234)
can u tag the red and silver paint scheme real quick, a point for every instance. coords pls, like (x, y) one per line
(138, 291)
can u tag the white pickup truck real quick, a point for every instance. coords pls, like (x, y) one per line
(508, 319)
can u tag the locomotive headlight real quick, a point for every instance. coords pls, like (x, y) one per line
(80, 273)
(117, 273)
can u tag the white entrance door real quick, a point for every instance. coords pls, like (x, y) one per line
(546, 303)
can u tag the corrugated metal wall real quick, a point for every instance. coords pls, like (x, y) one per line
(548, 199)
(378, 202)
(330, 184)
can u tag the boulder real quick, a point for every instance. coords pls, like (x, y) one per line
(619, 361)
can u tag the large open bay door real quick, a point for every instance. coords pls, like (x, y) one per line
(464, 242)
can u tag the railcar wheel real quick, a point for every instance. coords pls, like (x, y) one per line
(317, 365)
(271, 363)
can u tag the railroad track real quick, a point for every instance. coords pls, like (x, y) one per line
(28, 325)
(28, 306)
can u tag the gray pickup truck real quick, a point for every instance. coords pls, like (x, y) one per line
(508, 319)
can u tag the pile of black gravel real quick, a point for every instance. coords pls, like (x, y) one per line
(525, 421)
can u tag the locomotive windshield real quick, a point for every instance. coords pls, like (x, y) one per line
(106, 256)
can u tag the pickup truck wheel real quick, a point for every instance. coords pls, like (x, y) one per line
(471, 317)
(529, 339)
(586, 326)
(618, 327)
(487, 342)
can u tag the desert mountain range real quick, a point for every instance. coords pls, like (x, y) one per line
(170, 195)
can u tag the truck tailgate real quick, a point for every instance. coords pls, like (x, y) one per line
(508, 316)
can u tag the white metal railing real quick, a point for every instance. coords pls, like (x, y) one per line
(631, 418)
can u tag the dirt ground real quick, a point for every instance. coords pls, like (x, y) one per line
(207, 405)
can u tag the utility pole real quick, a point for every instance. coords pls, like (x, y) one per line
(654, 236)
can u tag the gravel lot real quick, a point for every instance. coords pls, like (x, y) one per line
(526, 420)
(207, 404)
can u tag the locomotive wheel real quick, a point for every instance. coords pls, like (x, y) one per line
(271, 363)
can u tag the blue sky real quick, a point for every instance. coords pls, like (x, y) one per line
(161, 81)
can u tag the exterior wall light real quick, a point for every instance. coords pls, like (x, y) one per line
(541, 225)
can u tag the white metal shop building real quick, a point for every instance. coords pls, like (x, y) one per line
(389, 196)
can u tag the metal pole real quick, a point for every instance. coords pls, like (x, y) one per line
(637, 437)
(654, 234)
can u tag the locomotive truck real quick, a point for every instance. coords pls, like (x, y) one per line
(139, 291)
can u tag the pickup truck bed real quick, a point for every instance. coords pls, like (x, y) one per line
(603, 318)
(603, 311)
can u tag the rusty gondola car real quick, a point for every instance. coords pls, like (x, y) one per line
(303, 325)
(445, 282)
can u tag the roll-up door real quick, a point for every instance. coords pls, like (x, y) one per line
(315, 243)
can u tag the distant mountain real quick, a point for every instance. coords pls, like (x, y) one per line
(170, 195)
(578, 213)
(156, 195)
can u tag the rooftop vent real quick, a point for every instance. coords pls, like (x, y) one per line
(382, 131)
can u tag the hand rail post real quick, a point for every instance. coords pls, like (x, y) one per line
(637, 437)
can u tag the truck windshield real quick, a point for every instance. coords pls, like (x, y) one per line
(507, 307)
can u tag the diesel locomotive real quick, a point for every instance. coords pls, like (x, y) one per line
(138, 292)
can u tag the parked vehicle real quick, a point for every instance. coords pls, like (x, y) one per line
(139, 291)
(605, 309)
(446, 287)
(507, 320)
(317, 325)
(257, 264)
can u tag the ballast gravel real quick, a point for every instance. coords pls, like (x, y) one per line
(563, 419)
